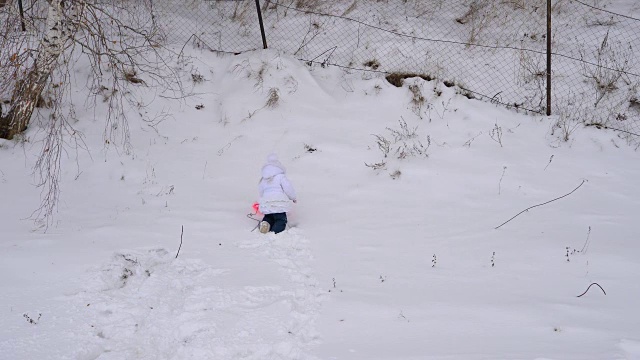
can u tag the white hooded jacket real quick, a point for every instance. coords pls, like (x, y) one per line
(276, 192)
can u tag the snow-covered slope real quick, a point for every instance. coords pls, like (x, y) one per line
(400, 262)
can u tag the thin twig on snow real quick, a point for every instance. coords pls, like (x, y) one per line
(604, 292)
(544, 203)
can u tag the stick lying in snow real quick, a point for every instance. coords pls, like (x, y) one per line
(531, 207)
(590, 288)
(250, 216)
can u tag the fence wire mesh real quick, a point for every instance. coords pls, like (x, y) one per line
(595, 70)
(491, 49)
(496, 50)
(226, 26)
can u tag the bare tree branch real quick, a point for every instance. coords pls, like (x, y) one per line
(123, 47)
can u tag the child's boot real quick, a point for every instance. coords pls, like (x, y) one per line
(264, 227)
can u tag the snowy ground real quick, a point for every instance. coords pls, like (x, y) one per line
(408, 266)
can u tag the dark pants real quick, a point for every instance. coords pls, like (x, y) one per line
(278, 221)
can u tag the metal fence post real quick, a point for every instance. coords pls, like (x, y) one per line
(548, 57)
(264, 38)
(21, 15)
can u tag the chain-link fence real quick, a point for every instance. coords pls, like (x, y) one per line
(496, 50)
(595, 69)
(225, 26)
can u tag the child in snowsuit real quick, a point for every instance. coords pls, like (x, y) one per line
(276, 195)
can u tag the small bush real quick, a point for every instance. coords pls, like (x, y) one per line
(404, 143)
(404, 133)
(612, 60)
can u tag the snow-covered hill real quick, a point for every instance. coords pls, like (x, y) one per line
(394, 261)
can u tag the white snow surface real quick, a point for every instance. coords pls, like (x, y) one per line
(409, 266)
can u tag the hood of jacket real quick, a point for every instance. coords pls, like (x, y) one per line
(272, 167)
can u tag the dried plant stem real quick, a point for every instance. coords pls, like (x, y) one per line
(550, 159)
(504, 169)
(586, 243)
(180, 247)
